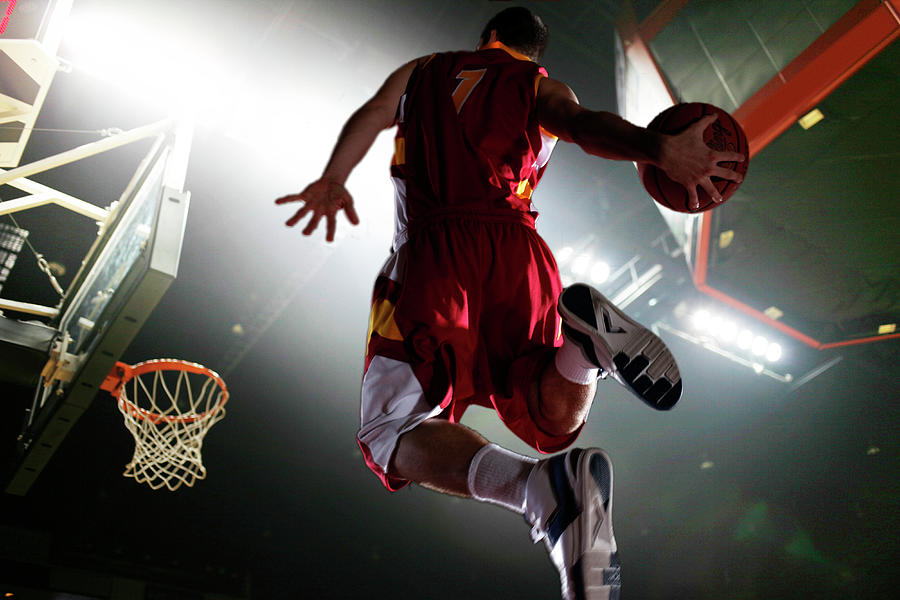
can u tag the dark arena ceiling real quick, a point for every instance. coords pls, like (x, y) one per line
(814, 231)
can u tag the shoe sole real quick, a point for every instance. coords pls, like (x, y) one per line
(635, 356)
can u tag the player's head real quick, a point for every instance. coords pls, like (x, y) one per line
(520, 29)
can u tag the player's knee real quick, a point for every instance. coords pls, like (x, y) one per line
(558, 414)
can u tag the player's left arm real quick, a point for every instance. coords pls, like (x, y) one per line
(327, 195)
(684, 157)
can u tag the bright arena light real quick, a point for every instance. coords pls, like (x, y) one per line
(760, 345)
(580, 264)
(564, 254)
(773, 352)
(701, 319)
(600, 272)
(176, 70)
(715, 325)
(728, 331)
(745, 339)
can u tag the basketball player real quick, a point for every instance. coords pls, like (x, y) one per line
(469, 309)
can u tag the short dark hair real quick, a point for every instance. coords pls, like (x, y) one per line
(520, 29)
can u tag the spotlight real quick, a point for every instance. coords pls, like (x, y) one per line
(745, 339)
(564, 254)
(758, 368)
(701, 319)
(728, 331)
(715, 325)
(773, 352)
(580, 265)
(600, 272)
(760, 345)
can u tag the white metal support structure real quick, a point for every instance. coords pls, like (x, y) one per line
(181, 131)
(74, 369)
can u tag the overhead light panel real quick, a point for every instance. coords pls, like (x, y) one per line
(811, 118)
(773, 313)
(725, 238)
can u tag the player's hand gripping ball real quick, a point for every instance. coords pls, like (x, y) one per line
(724, 134)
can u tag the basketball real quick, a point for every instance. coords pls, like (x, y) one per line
(724, 134)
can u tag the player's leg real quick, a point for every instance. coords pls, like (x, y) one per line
(629, 352)
(599, 338)
(561, 395)
(437, 455)
(566, 499)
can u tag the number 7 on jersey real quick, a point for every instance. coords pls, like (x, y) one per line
(467, 82)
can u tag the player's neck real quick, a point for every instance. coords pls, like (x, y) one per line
(501, 46)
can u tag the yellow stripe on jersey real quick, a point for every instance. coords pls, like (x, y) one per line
(399, 151)
(501, 46)
(549, 135)
(524, 190)
(381, 321)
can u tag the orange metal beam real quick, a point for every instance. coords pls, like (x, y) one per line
(661, 16)
(702, 258)
(874, 338)
(798, 335)
(839, 53)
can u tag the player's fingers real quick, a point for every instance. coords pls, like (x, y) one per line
(297, 216)
(331, 226)
(711, 190)
(313, 223)
(728, 156)
(351, 212)
(693, 200)
(705, 122)
(728, 174)
(289, 198)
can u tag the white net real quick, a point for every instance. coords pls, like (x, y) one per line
(168, 408)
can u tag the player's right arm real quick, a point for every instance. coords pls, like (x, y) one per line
(684, 157)
(327, 196)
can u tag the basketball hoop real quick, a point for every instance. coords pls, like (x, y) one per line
(168, 405)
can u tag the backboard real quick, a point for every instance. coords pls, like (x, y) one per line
(123, 277)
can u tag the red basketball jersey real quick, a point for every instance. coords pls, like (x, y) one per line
(468, 135)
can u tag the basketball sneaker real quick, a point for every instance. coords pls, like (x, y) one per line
(632, 354)
(568, 502)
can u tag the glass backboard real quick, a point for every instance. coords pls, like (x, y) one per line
(124, 276)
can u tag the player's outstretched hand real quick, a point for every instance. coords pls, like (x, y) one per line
(322, 198)
(687, 160)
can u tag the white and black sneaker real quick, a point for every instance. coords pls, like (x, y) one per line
(573, 515)
(625, 349)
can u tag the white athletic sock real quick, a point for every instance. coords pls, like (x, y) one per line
(498, 476)
(572, 365)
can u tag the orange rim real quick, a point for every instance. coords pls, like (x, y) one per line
(165, 364)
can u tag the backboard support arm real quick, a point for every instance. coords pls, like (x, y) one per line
(40, 195)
